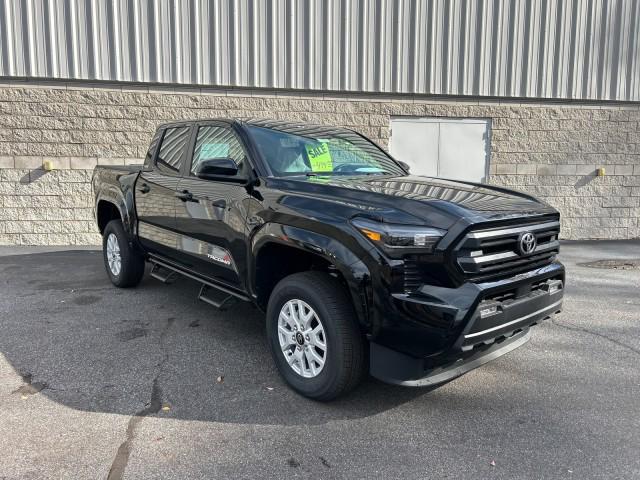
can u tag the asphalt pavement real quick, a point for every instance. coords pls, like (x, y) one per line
(99, 382)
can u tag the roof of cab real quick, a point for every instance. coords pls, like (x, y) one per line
(280, 125)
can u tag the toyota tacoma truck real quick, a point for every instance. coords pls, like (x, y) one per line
(358, 266)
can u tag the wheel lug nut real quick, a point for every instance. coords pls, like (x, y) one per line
(307, 337)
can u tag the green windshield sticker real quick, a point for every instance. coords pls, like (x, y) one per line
(214, 150)
(320, 157)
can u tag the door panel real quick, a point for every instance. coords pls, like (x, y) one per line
(156, 194)
(415, 143)
(211, 226)
(463, 150)
(156, 209)
(210, 215)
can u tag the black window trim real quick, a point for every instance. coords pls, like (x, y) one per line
(153, 149)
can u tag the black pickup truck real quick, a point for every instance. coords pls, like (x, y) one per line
(359, 266)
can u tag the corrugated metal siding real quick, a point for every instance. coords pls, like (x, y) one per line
(584, 49)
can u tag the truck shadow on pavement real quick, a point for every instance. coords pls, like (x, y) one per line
(152, 350)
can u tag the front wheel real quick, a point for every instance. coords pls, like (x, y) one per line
(124, 264)
(314, 336)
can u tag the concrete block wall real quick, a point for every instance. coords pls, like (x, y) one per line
(551, 151)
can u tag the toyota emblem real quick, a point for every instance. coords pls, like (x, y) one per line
(527, 243)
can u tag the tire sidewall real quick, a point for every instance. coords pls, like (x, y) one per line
(329, 375)
(131, 263)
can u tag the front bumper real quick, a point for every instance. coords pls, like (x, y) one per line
(439, 333)
(493, 319)
(387, 363)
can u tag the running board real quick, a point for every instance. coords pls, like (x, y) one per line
(219, 304)
(156, 272)
(205, 285)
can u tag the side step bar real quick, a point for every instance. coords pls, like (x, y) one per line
(222, 304)
(156, 272)
(206, 285)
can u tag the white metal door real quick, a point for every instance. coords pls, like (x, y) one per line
(416, 144)
(442, 147)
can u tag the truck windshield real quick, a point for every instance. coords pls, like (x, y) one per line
(321, 151)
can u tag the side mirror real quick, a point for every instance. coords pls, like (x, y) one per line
(404, 165)
(216, 167)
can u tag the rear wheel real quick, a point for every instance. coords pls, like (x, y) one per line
(314, 336)
(124, 264)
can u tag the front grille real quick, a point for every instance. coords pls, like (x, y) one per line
(494, 253)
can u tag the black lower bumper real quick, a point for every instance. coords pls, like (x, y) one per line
(493, 319)
(478, 322)
(394, 367)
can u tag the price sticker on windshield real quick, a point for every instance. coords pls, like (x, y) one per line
(320, 157)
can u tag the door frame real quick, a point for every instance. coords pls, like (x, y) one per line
(152, 168)
(240, 265)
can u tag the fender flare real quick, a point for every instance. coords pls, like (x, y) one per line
(350, 266)
(115, 197)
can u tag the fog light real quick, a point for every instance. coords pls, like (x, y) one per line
(554, 288)
(488, 311)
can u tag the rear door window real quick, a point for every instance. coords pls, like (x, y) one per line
(171, 154)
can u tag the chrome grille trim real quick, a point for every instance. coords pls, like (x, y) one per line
(511, 231)
(509, 255)
(485, 254)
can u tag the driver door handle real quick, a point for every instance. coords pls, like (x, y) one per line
(186, 196)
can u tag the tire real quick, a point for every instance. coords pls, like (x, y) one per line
(344, 353)
(131, 261)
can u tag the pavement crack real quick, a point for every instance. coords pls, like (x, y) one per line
(601, 335)
(119, 464)
(30, 387)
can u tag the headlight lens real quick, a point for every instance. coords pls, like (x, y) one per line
(398, 240)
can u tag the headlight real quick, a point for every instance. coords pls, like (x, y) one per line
(398, 240)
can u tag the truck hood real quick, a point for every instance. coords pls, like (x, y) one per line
(421, 197)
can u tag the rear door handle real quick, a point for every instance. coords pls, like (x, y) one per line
(144, 188)
(186, 196)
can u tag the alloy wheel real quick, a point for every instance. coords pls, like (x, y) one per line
(302, 338)
(113, 254)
